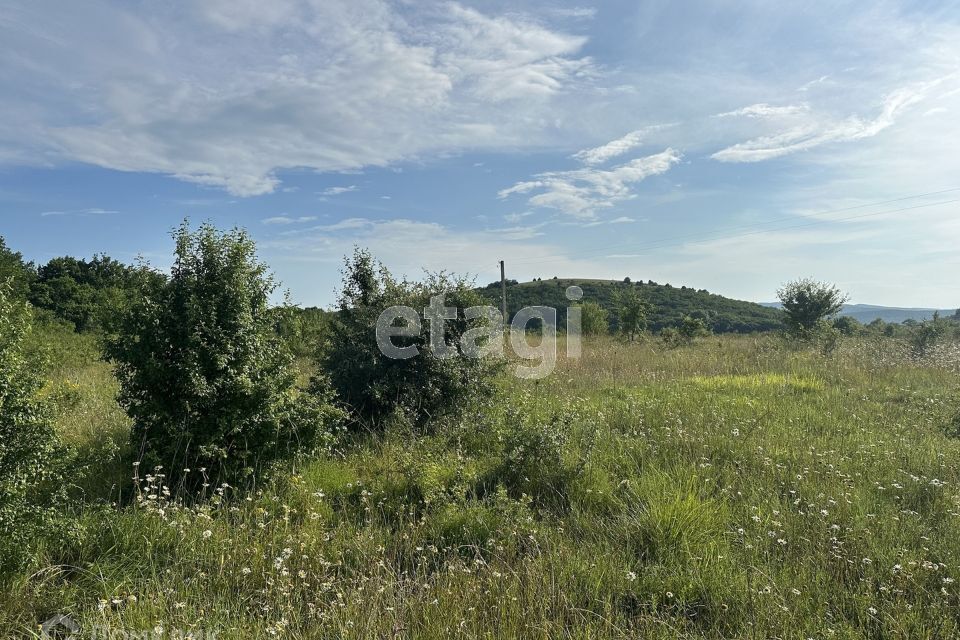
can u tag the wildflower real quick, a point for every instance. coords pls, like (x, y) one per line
(207, 534)
(631, 576)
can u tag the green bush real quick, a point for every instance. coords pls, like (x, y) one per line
(535, 460)
(848, 325)
(428, 385)
(927, 334)
(203, 373)
(594, 319)
(686, 334)
(31, 457)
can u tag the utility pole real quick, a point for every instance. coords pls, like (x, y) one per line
(503, 294)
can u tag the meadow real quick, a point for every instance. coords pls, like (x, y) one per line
(737, 488)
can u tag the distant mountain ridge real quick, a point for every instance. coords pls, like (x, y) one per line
(867, 313)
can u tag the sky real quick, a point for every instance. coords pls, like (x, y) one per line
(726, 146)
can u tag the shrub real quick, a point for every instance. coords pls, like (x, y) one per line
(848, 325)
(535, 459)
(808, 304)
(686, 333)
(594, 319)
(203, 374)
(31, 457)
(927, 334)
(428, 385)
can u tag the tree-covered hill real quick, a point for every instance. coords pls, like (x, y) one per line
(668, 303)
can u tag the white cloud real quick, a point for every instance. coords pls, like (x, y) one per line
(814, 133)
(92, 211)
(618, 147)
(583, 13)
(336, 191)
(288, 220)
(230, 93)
(580, 192)
(764, 110)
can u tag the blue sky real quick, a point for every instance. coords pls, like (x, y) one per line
(722, 147)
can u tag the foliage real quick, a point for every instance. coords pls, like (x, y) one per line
(848, 325)
(427, 385)
(87, 293)
(668, 305)
(631, 312)
(15, 271)
(927, 334)
(807, 303)
(686, 334)
(31, 457)
(594, 319)
(203, 375)
(534, 460)
(302, 329)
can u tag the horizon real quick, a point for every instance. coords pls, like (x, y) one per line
(730, 149)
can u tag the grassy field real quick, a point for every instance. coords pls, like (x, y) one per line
(736, 488)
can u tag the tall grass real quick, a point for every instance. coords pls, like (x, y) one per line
(737, 488)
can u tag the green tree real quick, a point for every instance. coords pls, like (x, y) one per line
(808, 303)
(631, 312)
(15, 270)
(86, 293)
(202, 371)
(31, 456)
(427, 385)
(594, 319)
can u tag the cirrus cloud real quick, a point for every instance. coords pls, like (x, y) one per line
(581, 192)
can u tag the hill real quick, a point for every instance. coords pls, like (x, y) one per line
(669, 303)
